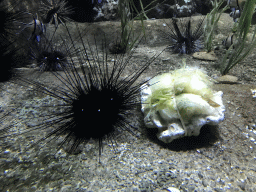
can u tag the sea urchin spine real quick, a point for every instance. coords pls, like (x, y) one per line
(55, 11)
(95, 99)
(184, 40)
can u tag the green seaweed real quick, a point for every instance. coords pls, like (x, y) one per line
(242, 46)
(125, 8)
(212, 19)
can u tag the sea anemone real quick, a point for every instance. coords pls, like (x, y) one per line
(180, 103)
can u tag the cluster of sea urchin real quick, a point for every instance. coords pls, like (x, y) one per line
(95, 93)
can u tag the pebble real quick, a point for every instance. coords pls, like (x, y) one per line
(253, 93)
(227, 79)
(205, 56)
(173, 189)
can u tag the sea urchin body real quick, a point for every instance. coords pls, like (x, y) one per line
(55, 11)
(184, 39)
(95, 99)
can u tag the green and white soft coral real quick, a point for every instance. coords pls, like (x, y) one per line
(180, 103)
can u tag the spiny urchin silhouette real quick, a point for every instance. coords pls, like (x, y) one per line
(94, 101)
(184, 39)
(84, 11)
(55, 11)
(10, 49)
(47, 54)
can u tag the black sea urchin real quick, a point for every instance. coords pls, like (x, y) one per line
(9, 48)
(84, 11)
(48, 55)
(55, 11)
(94, 100)
(184, 39)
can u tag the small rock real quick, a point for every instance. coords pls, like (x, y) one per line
(173, 189)
(166, 61)
(205, 56)
(253, 93)
(241, 185)
(159, 190)
(228, 79)
(205, 183)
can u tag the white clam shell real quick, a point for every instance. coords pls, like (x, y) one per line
(198, 112)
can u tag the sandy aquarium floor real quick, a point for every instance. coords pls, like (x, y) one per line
(221, 158)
